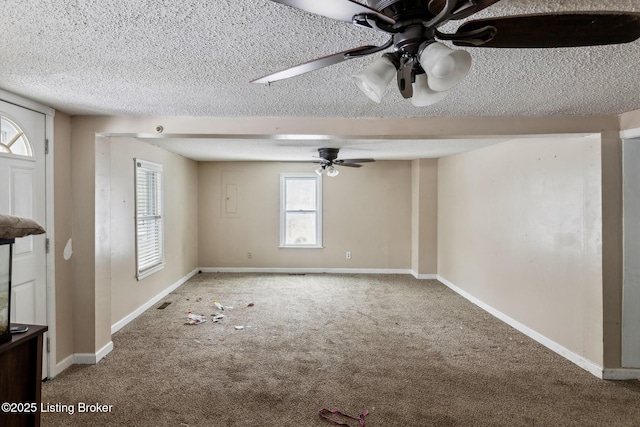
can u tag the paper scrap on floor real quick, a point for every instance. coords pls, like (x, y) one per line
(195, 319)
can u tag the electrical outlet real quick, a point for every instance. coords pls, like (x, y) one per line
(250, 255)
(348, 255)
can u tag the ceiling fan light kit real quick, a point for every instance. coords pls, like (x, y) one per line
(426, 69)
(329, 159)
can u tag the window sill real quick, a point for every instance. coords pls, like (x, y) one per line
(150, 271)
(300, 247)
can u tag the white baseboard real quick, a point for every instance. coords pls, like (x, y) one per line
(304, 270)
(104, 351)
(424, 276)
(144, 307)
(621, 373)
(318, 271)
(584, 363)
(92, 358)
(62, 365)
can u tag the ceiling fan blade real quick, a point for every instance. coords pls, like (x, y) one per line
(300, 161)
(560, 30)
(342, 10)
(464, 8)
(350, 165)
(312, 65)
(349, 161)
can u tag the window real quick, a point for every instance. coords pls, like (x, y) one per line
(301, 210)
(13, 140)
(149, 221)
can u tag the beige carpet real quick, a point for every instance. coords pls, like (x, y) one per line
(411, 352)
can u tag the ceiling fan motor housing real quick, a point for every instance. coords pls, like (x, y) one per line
(401, 9)
(329, 154)
(409, 16)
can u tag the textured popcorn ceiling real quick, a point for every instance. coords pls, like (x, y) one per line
(196, 58)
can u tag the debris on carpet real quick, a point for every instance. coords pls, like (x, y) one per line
(195, 319)
(324, 411)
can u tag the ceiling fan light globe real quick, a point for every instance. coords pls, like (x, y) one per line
(320, 171)
(423, 95)
(374, 79)
(331, 171)
(444, 66)
(372, 92)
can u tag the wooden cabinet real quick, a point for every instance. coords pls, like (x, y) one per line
(21, 377)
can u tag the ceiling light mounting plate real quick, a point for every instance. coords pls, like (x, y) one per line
(329, 154)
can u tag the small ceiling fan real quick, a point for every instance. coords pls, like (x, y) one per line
(425, 69)
(329, 159)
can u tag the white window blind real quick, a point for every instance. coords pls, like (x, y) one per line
(301, 210)
(149, 219)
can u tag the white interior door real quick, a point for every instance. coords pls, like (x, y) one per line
(22, 193)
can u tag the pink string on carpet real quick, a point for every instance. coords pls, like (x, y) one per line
(360, 418)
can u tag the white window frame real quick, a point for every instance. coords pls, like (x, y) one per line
(157, 262)
(283, 211)
(19, 138)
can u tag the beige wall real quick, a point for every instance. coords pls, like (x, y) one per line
(83, 177)
(520, 229)
(366, 211)
(63, 217)
(91, 266)
(612, 253)
(630, 120)
(424, 217)
(181, 221)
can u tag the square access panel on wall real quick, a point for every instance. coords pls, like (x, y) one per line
(230, 186)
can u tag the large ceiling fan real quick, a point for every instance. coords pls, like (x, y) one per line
(328, 159)
(427, 69)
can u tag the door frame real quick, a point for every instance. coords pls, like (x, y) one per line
(49, 224)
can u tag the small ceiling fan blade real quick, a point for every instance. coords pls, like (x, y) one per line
(464, 8)
(349, 161)
(350, 165)
(560, 30)
(300, 161)
(342, 10)
(312, 65)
